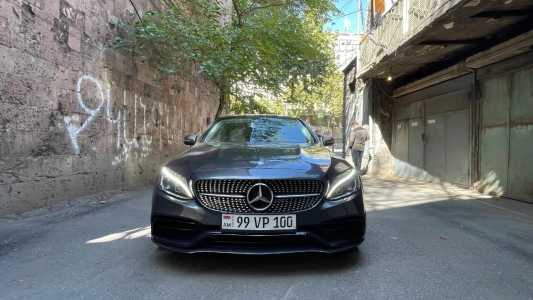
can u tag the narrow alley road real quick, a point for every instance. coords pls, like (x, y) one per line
(423, 241)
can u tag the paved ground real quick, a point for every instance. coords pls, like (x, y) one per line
(424, 241)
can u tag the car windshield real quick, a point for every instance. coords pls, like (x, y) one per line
(259, 131)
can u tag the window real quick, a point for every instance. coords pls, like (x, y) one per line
(259, 131)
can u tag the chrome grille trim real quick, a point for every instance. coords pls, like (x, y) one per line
(296, 196)
(229, 195)
(279, 196)
(223, 195)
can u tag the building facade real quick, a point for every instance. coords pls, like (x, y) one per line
(446, 86)
(345, 48)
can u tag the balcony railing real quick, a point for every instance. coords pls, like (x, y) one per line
(399, 24)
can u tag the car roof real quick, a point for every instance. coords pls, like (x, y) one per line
(256, 117)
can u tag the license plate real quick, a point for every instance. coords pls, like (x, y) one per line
(233, 222)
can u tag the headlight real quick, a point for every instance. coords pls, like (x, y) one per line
(343, 185)
(174, 184)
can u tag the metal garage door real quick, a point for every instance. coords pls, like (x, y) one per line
(435, 145)
(457, 147)
(438, 143)
(400, 140)
(447, 137)
(408, 147)
(494, 135)
(506, 149)
(521, 140)
(416, 142)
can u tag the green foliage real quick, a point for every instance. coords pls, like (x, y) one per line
(324, 102)
(256, 105)
(267, 44)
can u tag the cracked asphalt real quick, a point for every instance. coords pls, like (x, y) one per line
(424, 241)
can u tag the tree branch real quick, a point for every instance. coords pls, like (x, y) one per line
(238, 12)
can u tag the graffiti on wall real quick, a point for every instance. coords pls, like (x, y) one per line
(147, 119)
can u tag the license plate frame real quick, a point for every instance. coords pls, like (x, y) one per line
(258, 223)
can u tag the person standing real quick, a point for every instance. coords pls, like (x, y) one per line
(357, 141)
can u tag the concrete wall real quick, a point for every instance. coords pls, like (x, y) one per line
(379, 146)
(76, 116)
(351, 104)
(369, 103)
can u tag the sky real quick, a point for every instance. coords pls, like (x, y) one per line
(350, 18)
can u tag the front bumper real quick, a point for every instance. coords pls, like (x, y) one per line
(188, 227)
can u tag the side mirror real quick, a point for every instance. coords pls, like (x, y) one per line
(190, 139)
(328, 141)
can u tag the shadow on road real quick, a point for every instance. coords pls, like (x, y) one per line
(274, 265)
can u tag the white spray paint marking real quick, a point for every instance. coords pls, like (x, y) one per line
(72, 129)
(146, 142)
(139, 144)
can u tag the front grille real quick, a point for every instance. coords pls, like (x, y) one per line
(238, 186)
(229, 195)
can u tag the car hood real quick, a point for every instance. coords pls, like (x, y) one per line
(241, 161)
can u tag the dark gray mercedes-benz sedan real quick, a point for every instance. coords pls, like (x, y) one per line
(258, 185)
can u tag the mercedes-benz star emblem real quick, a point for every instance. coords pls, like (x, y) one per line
(260, 197)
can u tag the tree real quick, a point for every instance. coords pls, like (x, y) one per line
(324, 101)
(322, 105)
(268, 44)
(256, 105)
